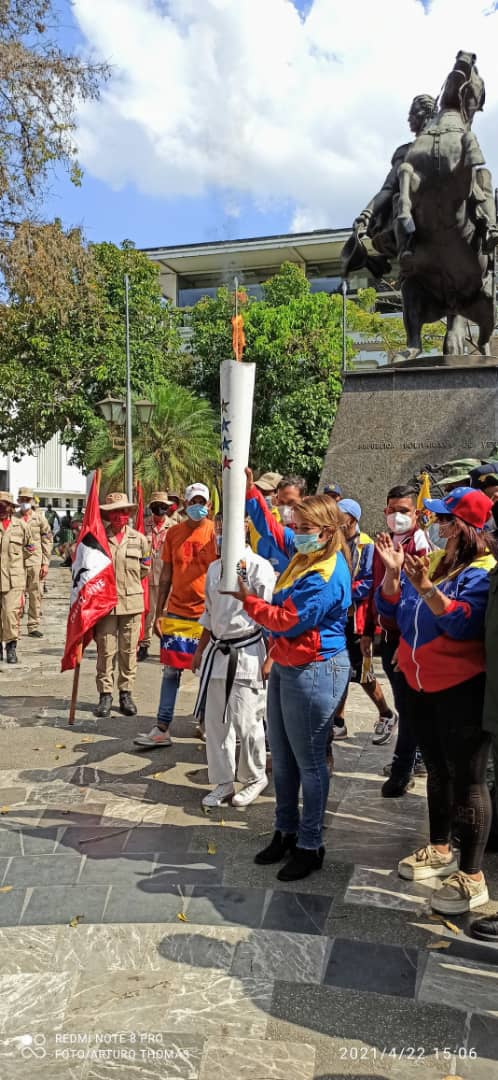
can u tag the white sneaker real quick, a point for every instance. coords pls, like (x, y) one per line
(460, 893)
(221, 794)
(384, 729)
(250, 792)
(156, 737)
(427, 862)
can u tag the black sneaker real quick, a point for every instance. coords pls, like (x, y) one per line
(10, 649)
(35, 633)
(394, 789)
(143, 653)
(419, 768)
(302, 863)
(1, 651)
(281, 845)
(486, 929)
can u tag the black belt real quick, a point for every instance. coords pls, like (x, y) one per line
(228, 647)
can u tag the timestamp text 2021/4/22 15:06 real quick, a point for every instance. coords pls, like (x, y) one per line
(412, 1053)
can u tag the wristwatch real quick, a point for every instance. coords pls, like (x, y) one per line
(429, 593)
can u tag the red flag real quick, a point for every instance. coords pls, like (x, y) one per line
(140, 527)
(93, 593)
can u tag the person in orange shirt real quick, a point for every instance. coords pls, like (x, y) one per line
(188, 551)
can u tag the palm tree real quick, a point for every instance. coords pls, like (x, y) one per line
(180, 444)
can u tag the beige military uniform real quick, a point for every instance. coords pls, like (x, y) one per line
(16, 547)
(156, 537)
(118, 633)
(42, 539)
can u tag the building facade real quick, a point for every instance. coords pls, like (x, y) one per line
(49, 473)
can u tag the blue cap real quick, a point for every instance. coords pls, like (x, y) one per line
(350, 506)
(332, 489)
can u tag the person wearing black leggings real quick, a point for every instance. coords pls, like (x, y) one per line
(439, 602)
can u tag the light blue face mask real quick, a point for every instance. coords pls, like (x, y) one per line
(435, 537)
(307, 543)
(197, 512)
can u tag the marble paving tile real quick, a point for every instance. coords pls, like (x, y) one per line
(384, 888)
(483, 1036)
(163, 1057)
(39, 840)
(188, 869)
(368, 966)
(13, 796)
(130, 868)
(300, 913)
(461, 983)
(10, 840)
(160, 838)
(34, 1001)
(200, 1000)
(204, 947)
(222, 905)
(93, 841)
(61, 903)
(30, 949)
(32, 1056)
(11, 906)
(251, 1059)
(134, 810)
(44, 869)
(55, 794)
(287, 957)
(140, 905)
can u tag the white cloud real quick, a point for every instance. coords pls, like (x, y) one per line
(251, 98)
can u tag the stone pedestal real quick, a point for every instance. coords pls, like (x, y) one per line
(392, 422)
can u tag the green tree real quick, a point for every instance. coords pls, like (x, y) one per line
(40, 86)
(295, 339)
(180, 444)
(62, 347)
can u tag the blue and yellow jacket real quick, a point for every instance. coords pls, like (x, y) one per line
(362, 554)
(269, 538)
(439, 651)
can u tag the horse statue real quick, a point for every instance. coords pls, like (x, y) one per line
(443, 222)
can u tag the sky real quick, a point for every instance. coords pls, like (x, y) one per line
(236, 118)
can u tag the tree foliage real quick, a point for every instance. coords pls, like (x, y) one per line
(180, 444)
(40, 86)
(62, 348)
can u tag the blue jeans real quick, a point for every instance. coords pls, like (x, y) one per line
(169, 690)
(301, 701)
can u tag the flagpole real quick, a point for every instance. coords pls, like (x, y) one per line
(129, 440)
(76, 681)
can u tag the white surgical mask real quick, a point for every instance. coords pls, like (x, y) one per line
(25, 506)
(435, 536)
(286, 514)
(399, 523)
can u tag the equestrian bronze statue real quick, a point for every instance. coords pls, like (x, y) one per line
(436, 215)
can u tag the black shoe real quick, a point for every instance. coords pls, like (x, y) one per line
(126, 704)
(419, 768)
(281, 845)
(1, 651)
(104, 705)
(143, 653)
(387, 770)
(10, 650)
(35, 633)
(486, 929)
(302, 863)
(394, 789)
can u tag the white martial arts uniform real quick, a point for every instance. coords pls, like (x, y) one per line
(245, 711)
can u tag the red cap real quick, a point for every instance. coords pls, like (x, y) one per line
(466, 503)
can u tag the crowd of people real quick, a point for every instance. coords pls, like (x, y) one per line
(318, 600)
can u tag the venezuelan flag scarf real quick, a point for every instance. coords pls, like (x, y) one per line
(179, 640)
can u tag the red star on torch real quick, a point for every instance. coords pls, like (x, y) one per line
(227, 461)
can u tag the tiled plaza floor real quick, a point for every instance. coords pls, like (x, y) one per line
(139, 940)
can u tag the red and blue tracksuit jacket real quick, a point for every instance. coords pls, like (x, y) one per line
(362, 554)
(273, 541)
(439, 651)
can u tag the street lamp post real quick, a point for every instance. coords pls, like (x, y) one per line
(344, 289)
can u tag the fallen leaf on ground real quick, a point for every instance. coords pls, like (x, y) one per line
(451, 926)
(6, 888)
(438, 944)
(211, 849)
(4, 809)
(222, 822)
(182, 917)
(76, 920)
(60, 746)
(436, 918)
(57, 756)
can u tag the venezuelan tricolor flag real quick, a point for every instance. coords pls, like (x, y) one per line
(179, 640)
